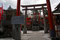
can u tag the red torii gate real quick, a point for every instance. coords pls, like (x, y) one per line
(50, 15)
(34, 8)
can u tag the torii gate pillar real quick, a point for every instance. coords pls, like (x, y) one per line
(50, 16)
(18, 8)
(16, 27)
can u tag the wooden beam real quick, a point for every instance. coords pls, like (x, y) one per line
(35, 9)
(34, 5)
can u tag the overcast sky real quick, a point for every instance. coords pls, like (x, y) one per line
(13, 3)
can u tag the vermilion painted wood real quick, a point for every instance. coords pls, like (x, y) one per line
(50, 15)
(18, 8)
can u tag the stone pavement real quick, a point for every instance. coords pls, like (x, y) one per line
(35, 35)
(32, 35)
